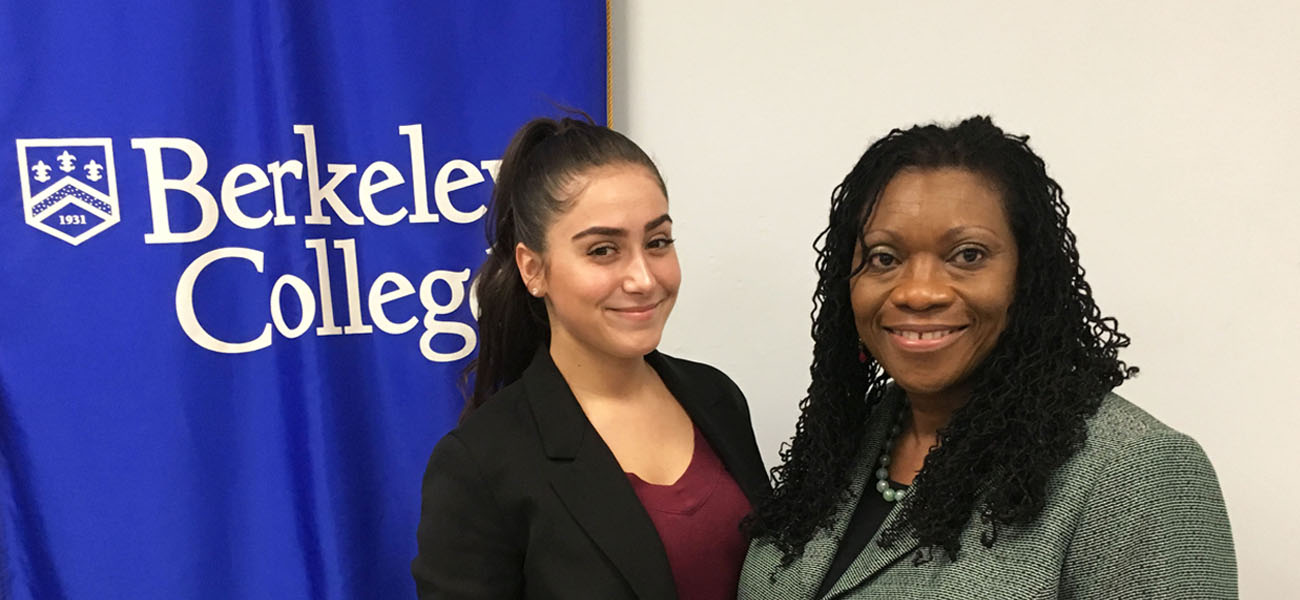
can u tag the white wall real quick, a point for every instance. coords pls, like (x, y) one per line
(1172, 126)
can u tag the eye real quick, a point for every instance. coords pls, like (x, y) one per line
(602, 250)
(881, 259)
(660, 243)
(970, 255)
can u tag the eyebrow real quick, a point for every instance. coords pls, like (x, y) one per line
(619, 231)
(947, 235)
(961, 229)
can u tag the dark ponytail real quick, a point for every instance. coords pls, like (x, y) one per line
(532, 189)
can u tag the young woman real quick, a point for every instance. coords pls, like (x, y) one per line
(586, 463)
(960, 439)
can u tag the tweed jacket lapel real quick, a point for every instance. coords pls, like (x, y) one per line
(801, 580)
(592, 486)
(873, 558)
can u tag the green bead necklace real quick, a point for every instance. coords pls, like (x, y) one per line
(882, 473)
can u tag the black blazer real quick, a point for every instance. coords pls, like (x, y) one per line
(524, 499)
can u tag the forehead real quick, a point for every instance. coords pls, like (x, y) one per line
(612, 196)
(919, 201)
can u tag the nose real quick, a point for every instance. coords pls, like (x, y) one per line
(638, 278)
(922, 286)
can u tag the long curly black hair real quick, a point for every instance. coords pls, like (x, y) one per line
(1048, 372)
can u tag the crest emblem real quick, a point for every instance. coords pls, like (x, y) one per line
(69, 186)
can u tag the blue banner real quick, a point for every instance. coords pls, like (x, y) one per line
(236, 242)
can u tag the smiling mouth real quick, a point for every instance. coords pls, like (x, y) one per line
(930, 339)
(637, 312)
(923, 335)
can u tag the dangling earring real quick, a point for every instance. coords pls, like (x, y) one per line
(862, 352)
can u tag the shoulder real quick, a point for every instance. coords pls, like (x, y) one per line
(1149, 506)
(1132, 463)
(493, 435)
(1118, 419)
(692, 372)
(682, 372)
(689, 368)
(488, 464)
(1121, 432)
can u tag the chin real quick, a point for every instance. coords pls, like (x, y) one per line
(925, 385)
(636, 348)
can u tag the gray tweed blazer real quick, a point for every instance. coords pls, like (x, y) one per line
(1137, 513)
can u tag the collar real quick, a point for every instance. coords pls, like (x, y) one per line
(562, 424)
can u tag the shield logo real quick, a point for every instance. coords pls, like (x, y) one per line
(69, 186)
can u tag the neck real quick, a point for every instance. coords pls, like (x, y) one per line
(932, 411)
(593, 375)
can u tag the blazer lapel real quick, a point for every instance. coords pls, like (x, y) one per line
(873, 558)
(709, 405)
(804, 577)
(592, 486)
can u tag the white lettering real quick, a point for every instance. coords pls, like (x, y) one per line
(278, 171)
(386, 288)
(351, 279)
(231, 191)
(444, 185)
(323, 198)
(368, 188)
(316, 192)
(378, 298)
(185, 303)
(419, 185)
(492, 167)
(158, 186)
(305, 298)
(323, 284)
(455, 281)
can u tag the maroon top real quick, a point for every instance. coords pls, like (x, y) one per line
(698, 519)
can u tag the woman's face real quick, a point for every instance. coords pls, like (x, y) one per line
(609, 273)
(939, 277)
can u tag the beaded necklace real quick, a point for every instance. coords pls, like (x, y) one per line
(882, 473)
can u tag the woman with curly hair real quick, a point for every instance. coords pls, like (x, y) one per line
(960, 438)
